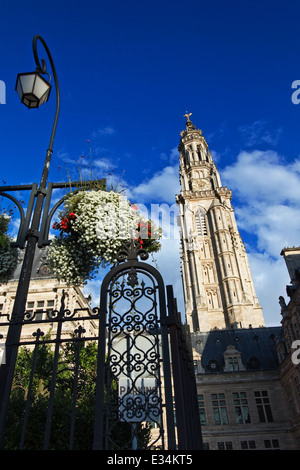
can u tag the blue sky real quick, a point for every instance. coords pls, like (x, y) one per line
(128, 72)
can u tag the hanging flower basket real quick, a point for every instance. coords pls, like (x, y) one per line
(93, 227)
(8, 254)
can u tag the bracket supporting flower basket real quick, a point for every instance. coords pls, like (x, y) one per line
(48, 211)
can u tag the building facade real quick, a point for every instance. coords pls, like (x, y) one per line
(288, 348)
(44, 296)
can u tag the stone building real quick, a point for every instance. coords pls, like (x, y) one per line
(246, 382)
(44, 296)
(288, 348)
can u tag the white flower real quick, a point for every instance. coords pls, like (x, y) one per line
(101, 222)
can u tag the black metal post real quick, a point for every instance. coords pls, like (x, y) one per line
(15, 328)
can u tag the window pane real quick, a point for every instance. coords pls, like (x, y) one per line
(261, 414)
(224, 416)
(217, 418)
(202, 417)
(269, 413)
(39, 316)
(238, 415)
(246, 415)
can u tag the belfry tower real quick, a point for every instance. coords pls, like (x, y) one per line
(217, 282)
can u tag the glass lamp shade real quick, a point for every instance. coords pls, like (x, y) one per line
(32, 89)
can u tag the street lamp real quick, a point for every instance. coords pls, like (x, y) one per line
(33, 90)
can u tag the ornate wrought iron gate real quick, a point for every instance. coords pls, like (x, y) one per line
(143, 391)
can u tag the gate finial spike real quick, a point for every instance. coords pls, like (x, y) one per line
(131, 250)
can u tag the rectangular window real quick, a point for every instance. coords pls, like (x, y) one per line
(219, 408)
(40, 304)
(263, 407)
(225, 445)
(248, 445)
(242, 415)
(201, 410)
(38, 315)
(271, 444)
(233, 363)
(50, 305)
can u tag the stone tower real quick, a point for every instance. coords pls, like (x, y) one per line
(217, 282)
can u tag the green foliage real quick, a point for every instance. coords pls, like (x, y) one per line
(8, 254)
(66, 390)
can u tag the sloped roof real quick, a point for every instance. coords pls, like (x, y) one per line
(256, 345)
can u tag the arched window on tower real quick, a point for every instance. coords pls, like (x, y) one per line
(201, 223)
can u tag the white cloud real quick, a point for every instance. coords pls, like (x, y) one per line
(102, 131)
(260, 132)
(266, 198)
(162, 187)
(263, 175)
(270, 278)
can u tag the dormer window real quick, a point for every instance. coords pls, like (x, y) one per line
(232, 359)
(233, 363)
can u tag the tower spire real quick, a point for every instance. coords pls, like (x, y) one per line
(218, 286)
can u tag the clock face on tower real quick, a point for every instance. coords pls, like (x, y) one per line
(45, 270)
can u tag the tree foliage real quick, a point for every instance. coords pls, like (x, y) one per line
(75, 384)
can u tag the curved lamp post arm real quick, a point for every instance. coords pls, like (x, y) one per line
(42, 69)
(17, 316)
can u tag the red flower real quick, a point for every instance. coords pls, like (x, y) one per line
(72, 215)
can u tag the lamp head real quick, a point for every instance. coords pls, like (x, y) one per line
(32, 89)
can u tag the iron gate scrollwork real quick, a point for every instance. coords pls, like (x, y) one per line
(136, 357)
